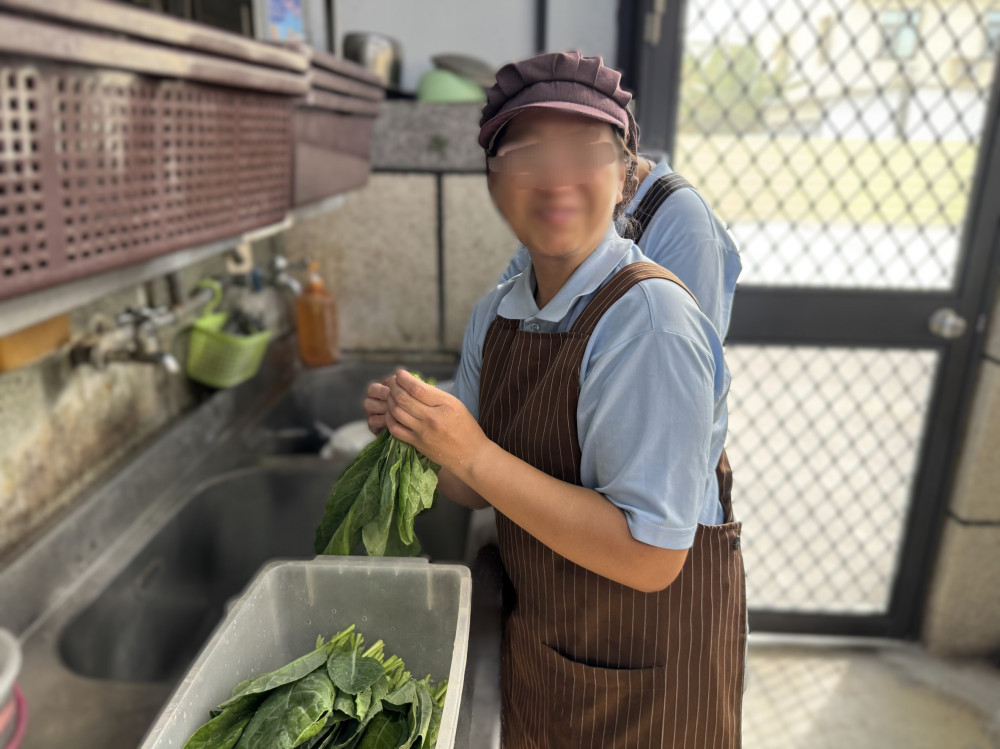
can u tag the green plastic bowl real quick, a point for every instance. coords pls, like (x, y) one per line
(443, 86)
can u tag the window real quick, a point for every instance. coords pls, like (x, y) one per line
(899, 33)
(824, 45)
(992, 29)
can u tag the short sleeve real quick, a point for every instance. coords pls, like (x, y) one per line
(645, 416)
(697, 258)
(466, 387)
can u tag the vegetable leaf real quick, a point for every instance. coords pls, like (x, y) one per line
(395, 547)
(416, 494)
(386, 731)
(345, 491)
(376, 532)
(421, 711)
(291, 714)
(434, 729)
(353, 673)
(346, 704)
(294, 671)
(363, 701)
(224, 730)
(402, 698)
(366, 505)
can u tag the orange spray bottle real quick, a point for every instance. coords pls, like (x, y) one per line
(316, 322)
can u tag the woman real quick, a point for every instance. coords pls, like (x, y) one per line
(584, 410)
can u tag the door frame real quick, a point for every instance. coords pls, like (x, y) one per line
(652, 65)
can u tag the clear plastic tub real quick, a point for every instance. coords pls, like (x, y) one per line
(420, 610)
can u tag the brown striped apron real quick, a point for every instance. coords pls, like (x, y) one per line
(588, 662)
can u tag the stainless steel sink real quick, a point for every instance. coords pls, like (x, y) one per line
(331, 396)
(149, 623)
(117, 599)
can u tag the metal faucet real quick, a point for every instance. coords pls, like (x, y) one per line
(280, 277)
(133, 337)
(159, 358)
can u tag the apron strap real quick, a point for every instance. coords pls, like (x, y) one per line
(724, 475)
(655, 196)
(614, 289)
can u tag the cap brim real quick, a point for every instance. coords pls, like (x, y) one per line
(489, 131)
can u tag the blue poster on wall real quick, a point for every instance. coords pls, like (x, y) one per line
(284, 20)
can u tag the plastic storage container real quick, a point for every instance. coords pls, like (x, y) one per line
(420, 610)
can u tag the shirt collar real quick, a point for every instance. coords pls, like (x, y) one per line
(662, 169)
(519, 302)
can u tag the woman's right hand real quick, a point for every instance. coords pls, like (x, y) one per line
(377, 403)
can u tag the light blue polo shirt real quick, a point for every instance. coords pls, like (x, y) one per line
(652, 416)
(686, 237)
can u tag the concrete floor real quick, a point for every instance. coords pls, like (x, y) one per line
(819, 694)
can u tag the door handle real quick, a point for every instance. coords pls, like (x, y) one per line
(947, 323)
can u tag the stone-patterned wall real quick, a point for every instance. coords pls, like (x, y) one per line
(407, 257)
(61, 426)
(378, 256)
(963, 614)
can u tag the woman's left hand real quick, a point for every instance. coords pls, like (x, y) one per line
(436, 423)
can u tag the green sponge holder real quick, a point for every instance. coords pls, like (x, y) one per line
(218, 359)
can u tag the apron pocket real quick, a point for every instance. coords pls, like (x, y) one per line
(605, 707)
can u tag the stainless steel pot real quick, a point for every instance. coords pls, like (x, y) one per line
(380, 54)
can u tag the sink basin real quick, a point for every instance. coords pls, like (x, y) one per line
(151, 620)
(330, 395)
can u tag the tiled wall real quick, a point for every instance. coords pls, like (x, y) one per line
(963, 615)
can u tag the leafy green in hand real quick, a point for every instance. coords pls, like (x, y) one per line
(377, 499)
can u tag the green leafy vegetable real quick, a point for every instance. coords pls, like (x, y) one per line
(386, 731)
(347, 705)
(224, 730)
(403, 697)
(291, 715)
(353, 673)
(435, 727)
(294, 671)
(346, 489)
(360, 700)
(376, 533)
(364, 509)
(416, 493)
(376, 500)
(363, 701)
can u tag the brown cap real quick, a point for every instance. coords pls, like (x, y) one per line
(565, 81)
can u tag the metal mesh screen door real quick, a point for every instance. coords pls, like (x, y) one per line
(851, 147)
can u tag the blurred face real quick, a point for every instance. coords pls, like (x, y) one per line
(556, 178)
